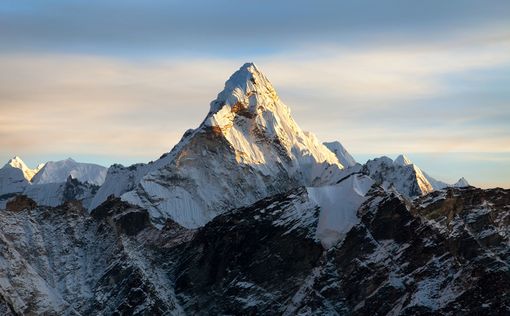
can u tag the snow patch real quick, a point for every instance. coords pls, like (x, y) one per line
(339, 205)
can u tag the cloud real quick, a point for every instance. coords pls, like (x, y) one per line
(389, 72)
(156, 27)
(95, 105)
(415, 97)
(373, 97)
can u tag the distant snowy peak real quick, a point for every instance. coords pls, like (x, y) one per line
(407, 179)
(439, 185)
(28, 173)
(341, 153)
(54, 194)
(461, 183)
(14, 179)
(403, 160)
(59, 171)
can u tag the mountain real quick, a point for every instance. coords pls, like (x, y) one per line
(405, 177)
(461, 183)
(249, 215)
(400, 175)
(54, 194)
(248, 147)
(436, 184)
(12, 181)
(403, 160)
(52, 183)
(341, 153)
(58, 171)
(440, 254)
(28, 173)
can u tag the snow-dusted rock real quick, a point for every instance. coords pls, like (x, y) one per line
(54, 194)
(401, 175)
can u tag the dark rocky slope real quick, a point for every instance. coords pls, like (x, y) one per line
(446, 253)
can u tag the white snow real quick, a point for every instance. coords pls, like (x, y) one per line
(58, 171)
(47, 187)
(119, 179)
(339, 205)
(461, 183)
(407, 179)
(341, 153)
(403, 160)
(12, 180)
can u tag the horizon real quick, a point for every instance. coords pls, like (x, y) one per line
(427, 80)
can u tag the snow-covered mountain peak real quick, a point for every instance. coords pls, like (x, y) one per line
(58, 172)
(247, 93)
(18, 163)
(248, 147)
(407, 179)
(341, 153)
(403, 160)
(462, 183)
(250, 116)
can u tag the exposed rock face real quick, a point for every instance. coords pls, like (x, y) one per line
(54, 194)
(232, 264)
(446, 253)
(126, 218)
(57, 261)
(20, 203)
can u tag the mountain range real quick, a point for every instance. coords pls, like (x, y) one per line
(249, 214)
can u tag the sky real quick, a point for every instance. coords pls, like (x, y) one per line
(120, 81)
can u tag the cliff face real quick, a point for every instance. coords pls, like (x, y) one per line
(445, 253)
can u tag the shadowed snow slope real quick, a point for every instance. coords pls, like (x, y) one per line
(462, 183)
(248, 147)
(58, 171)
(339, 205)
(341, 153)
(12, 180)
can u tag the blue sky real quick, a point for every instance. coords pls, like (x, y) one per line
(120, 81)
